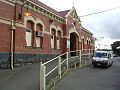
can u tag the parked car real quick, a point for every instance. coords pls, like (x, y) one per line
(103, 58)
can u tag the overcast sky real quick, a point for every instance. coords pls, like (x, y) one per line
(105, 24)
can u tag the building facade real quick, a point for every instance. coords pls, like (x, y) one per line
(43, 34)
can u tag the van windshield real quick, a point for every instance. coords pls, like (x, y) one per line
(101, 55)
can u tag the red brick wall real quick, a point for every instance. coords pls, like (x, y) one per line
(4, 37)
(6, 11)
(20, 44)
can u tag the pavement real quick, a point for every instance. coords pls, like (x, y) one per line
(22, 78)
(26, 77)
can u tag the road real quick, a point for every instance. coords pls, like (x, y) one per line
(90, 78)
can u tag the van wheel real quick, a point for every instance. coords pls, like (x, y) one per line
(107, 66)
(111, 63)
(95, 65)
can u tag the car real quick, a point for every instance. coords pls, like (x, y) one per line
(102, 58)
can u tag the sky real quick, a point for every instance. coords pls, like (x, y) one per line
(105, 24)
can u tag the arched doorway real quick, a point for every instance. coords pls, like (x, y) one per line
(74, 45)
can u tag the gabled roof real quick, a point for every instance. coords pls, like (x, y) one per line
(46, 7)
(64, 13)
(86, 30)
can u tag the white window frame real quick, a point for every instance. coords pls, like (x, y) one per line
(52, 41)
(28, 37)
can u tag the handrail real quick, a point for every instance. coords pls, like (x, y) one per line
(61, 55)
(59, 65)
(52, 70)
(53, 59)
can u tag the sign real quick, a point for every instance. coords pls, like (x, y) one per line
(68, 43)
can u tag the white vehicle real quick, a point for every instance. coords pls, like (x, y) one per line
(103, 58)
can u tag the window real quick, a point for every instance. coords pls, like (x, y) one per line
(53, 38)
(101, 55)
(28, 36)
(29, 33)
(39, 38)
(52, 42)
(58, 39)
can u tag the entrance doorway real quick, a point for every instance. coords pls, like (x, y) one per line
(73, 43)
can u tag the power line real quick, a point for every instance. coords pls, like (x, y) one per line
(99, 12)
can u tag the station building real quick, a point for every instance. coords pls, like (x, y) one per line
(41, 34)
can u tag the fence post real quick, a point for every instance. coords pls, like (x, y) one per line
(67, 60)
(40, 75)
(80, 57)
(59, 68)
(85, 62)
(43, 77)
(89, 56)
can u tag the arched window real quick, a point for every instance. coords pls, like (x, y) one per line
(58, 39)
(29, 33)
(83, 43)
(53, 38)
(39, 35)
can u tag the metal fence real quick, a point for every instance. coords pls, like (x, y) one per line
(53, 70)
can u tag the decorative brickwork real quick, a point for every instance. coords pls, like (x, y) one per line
(55, 28)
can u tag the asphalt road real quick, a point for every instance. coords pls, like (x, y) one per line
(90, 78)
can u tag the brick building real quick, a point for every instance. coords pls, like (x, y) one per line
(43, 34)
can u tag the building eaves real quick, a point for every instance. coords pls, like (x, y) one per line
(87, 30)
(46, 7)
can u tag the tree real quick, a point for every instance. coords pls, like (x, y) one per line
(114, 47)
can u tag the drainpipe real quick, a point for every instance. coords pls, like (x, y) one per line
(12, 46)
(12, 41)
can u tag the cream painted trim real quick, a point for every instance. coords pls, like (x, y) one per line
(66, 37)
(19, 24)
(57, 28)
(12, 3)
(66, 20)
(69, 12)
(82, 37)
(73, 30)
(39, 21)
(52, 26)
(45, 9)
(87, 38)
(5, 21)
(8, 21)
(26, 18)
(45, 32)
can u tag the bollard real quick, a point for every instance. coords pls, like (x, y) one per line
(67, 60)
(80, 57)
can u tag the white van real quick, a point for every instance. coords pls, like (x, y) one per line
(103, 58)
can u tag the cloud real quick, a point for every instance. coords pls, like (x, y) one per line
(106, 24)
(101, 25)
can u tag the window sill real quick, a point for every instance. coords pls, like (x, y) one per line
(34, 47)
(55, 49)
